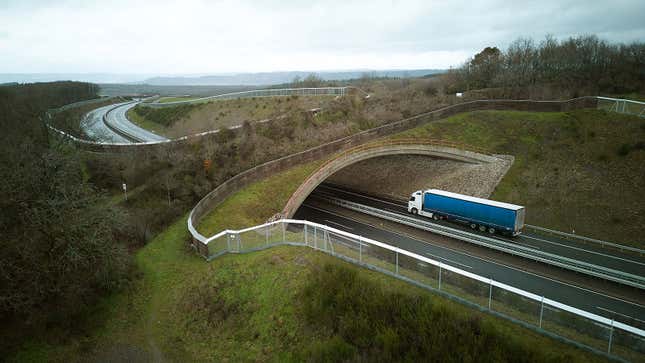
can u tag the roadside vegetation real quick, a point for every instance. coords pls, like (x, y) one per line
(573, 67)
(576, 171)
(119, 281)
(284, 304)
(51, 271)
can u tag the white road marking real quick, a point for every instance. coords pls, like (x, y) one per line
(617, 313)
(503, 239)
(364, 196)
(338, 224)
(584, 250)
(485, 260)
(449, 260)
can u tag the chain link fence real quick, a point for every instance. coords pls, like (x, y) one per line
(629, 107)
(572, 325)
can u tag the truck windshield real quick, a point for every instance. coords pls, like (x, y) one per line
(412, 199)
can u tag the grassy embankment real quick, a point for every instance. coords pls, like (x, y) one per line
(269, 306)
(189, 119)
(145, 123)
(580, 170)
(177, 99)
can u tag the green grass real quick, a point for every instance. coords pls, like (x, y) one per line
(175, 99)
(569, 169)
(145, 123)
(251, 307)
(260, 201)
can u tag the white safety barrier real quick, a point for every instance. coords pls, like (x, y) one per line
(582, 328)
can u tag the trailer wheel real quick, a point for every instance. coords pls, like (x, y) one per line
(415, 211)
(473, 226)
(436, 217)
(482, 228)
(491, 230)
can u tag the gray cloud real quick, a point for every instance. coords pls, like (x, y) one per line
(195, 36)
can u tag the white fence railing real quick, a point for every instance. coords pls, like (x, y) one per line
(269, 92)
(619, 105)
(600, 334)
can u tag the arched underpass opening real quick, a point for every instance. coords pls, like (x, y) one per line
(393, 169)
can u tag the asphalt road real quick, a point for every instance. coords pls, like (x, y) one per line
(118, 122)
(582, 252)
(118, 128)
(94, 127)
(582, 298)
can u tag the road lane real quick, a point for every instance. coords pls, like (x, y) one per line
(586, 299)
(93, 126)
(587, 253)
(117, 120)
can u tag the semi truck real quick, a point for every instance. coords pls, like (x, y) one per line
(480, 214)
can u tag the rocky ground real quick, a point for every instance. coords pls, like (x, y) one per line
(397, 176)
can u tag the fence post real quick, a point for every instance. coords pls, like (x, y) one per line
(239, 242)
(228, 242)
(306, 241)
(541, 311)
(490, 294)
(439, 276)
(611, 334)
(315, 238)
(284, 233)
(266, 233)
(397, 262)
(360, 249)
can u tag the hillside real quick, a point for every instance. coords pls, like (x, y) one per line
(580, 170)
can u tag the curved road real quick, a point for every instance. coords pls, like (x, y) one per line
(110, 124)
(94, 127)
(118, 122)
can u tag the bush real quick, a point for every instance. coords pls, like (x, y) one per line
(370, 323)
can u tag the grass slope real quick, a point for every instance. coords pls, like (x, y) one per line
(268, 306)
(580, 170)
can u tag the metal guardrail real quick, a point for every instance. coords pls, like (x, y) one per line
(575, 237)
(597, 333)
(495, 244)
(318, 91)
(620, 105)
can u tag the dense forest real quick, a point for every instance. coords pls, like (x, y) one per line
(50, 270)
(584, 65)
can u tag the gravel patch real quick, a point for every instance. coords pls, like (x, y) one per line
(397, 176)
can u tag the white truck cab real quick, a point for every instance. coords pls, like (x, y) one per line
(415, 204)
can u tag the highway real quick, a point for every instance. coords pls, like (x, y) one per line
(118, 122)
(583, 298)
(94, 127)
(110, 124)
(593, 254)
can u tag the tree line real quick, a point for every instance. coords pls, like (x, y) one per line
(61, 246)
(583, 63)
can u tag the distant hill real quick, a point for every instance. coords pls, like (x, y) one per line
(224, 79)
(271, 78)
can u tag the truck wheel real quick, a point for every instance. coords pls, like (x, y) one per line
(436, 217)
(482, 228)
(491, 230)
(415, 211)
(473, 226)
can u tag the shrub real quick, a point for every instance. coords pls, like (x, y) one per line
(370, 323)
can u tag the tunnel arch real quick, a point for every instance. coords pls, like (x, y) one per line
(427, 147)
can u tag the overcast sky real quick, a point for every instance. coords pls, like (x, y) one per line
(193, 36)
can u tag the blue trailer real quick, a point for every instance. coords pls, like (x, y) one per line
(478, 213)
